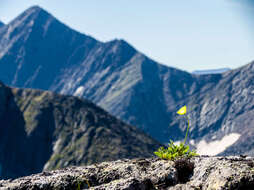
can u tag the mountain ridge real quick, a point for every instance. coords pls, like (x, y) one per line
(84, 70)
(131, 86)
(41, 130)
(211, 71)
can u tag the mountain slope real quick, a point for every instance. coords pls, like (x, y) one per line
(221, 117)
(113, 75)
(37, 51)
(1, 24)
(41, 130)
(34, 43)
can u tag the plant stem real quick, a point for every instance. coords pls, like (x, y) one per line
(187, 130)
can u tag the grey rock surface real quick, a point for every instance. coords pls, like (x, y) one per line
(210, 173)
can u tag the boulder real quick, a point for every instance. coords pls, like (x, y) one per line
(208, 173)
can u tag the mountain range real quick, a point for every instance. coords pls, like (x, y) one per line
(210, 71)
(38, 51)
(40, 130)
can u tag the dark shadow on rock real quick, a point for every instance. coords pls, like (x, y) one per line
(184, 169)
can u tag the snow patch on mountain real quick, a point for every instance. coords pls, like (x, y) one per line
(79, 92)
(215, 147)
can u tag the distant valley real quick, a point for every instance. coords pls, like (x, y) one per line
(38, 51)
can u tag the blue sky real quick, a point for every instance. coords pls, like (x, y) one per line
(186, 34)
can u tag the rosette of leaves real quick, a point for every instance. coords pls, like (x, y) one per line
(173, 151)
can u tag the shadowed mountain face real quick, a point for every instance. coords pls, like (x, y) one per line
(226, 108)
(36, 43)
(1, 24)
(41, 130)
(37, 51)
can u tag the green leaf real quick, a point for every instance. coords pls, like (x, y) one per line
(173, 151)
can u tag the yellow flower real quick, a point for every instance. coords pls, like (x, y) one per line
(182, 110)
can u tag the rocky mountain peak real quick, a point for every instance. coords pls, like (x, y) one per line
(34, 36)
(31, 13)
(35, 10)
(38, 51)
(30, 20)
(37, 22)
(19, 30)
(120, 43)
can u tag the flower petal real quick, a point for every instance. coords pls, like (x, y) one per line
(182, 110)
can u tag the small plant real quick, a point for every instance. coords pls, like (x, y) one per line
(173, 151)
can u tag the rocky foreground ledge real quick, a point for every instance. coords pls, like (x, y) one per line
(208, 173)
